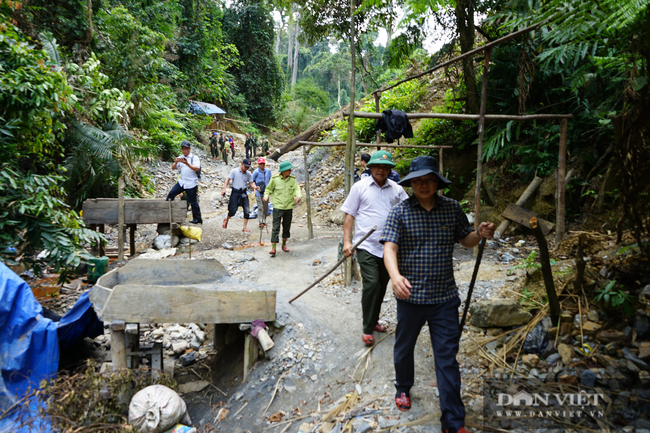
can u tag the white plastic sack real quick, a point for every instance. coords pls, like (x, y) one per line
(165, 241)
(156, 409)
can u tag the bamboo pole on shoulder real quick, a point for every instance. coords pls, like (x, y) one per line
(479, 147)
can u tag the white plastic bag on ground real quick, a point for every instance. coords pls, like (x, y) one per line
(156, 409)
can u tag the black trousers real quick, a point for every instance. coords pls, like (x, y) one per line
(233, 152)
(281, 217)
(238, 197)
(444, 329)
(248, 152)
(375, 280)
(191, 198)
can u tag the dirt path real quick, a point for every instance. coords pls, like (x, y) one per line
(318, 357)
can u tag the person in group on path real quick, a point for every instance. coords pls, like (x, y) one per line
(248, 144)
(240, 178)
(419, 238)
(265, 146)
(367, 206)
(189, 165)
(214, 145)
(261, 177)
(232, 146)
(254, 144)
(363, 162)
(224, 151)
(286, 192)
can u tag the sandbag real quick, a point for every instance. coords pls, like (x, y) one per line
(157, 408)
(192, 232)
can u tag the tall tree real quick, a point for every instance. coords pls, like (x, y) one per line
(249, 26)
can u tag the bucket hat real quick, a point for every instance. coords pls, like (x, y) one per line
(285, 165)
(261, 161)
(421, 166)
(381, 157)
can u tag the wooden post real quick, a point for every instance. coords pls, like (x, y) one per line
(351, 142)
(377, 98)
(102, 244)
(132, 240)
(479, 147)
(251, 346)
(120, 219)
(310, 227)
(118, 344)
(547, 272)
(561, 186)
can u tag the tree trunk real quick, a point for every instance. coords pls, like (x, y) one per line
(296, 52)
(278, 38)
(290, 50)
(465, 24)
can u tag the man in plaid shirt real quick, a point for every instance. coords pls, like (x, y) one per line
(419, 238)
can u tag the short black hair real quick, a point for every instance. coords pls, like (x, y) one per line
(365, 157)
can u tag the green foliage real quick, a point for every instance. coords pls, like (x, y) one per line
(528, 300)
(528, 264)
(615, 298)
(96, 102)
(34, 94)
(131, 54)
(34, 217)
(249, 26)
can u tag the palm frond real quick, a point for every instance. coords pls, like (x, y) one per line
(100, 143)
(51, 47)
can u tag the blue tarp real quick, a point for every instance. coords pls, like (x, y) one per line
(29, 343)
(205, 107)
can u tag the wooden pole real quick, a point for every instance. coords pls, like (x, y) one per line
(120, 219)
(377, 97)
(354, 247)
(547, 272)
(468, 299)
(310, 227)
(350, 150)
(132, 240)
(449, 116)
(472, 53)
(118, 344)
(392, 146)
(479, 147)
(561, 186)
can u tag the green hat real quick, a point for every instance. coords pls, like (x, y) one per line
(381, 157)
(285, 165)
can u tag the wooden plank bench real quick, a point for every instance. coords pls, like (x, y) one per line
(100, 211)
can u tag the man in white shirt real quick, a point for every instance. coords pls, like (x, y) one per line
(366, 206)
(189, 165)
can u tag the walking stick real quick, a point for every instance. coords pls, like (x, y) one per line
(481, 246)
(354, 247)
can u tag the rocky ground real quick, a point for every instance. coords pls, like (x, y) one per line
(320, 376)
